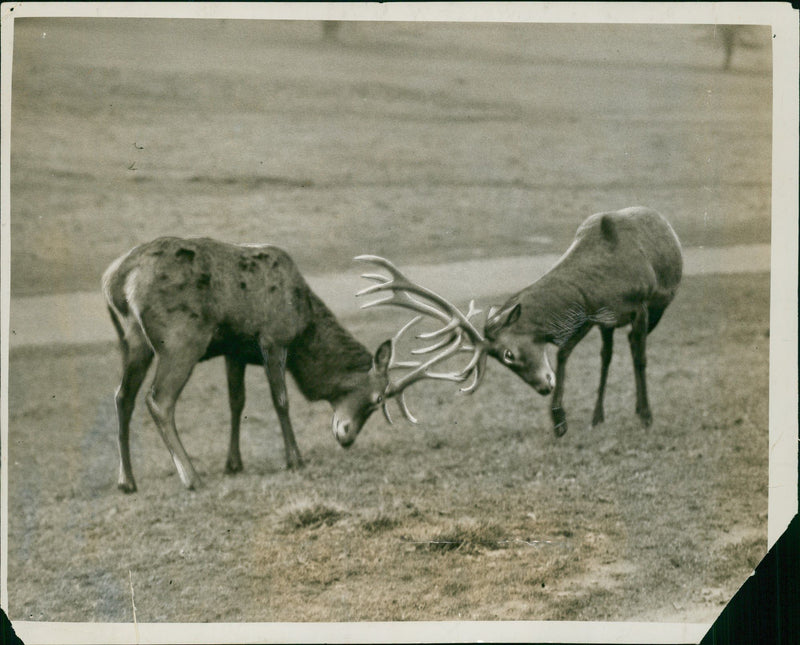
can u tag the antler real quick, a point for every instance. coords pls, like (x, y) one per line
(449, 339)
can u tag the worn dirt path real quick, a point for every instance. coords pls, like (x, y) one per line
(82, 317)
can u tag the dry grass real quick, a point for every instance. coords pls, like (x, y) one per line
(310, 515)
(478, 513)
(473, 537)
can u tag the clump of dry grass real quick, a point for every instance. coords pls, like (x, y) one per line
(466, 538)
(311, 515)
(380, 522)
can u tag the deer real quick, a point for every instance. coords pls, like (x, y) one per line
(188, 300)
(622, 268)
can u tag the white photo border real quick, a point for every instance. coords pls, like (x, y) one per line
(783, 314)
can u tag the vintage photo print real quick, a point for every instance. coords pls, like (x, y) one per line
(394, 322)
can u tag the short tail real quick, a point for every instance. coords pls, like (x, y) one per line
(117, 309)
(117, 324)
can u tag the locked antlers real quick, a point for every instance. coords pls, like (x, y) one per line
(456, 335)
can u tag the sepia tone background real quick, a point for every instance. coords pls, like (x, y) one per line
(429, 144)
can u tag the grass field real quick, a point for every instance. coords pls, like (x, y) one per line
(420, 142)
(425, 143)
(478, 513)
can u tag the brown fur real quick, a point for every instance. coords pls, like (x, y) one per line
(189, 300)
(623, 268)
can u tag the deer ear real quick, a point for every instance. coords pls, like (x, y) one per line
(380, 361)
(497, 319)
(513, 315)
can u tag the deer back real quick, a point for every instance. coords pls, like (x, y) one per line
(239, 291)
(617, 262)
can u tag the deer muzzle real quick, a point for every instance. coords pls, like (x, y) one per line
(542, 380)
(345, 431)
(546, 385)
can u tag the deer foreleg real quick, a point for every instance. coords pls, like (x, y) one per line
(234, 369)
(275, 364)
(556, 409)
(606, 353)
(637, 339)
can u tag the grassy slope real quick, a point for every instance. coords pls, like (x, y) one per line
(479, 513)
(420, 142)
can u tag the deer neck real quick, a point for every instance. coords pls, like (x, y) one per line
(554, 308)
(326, 360)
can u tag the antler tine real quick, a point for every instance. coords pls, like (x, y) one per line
(401, 299)
(473, 310)
(478, 367)
(449, 327)
(377, 259)
(397, 281)
(376, 277)
(393, 362)
(432, 348)
(386, 414)
(401, 401)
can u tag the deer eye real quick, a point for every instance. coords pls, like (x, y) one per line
(379, 399)
(508, 356)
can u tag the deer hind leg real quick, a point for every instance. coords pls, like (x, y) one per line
(637, 339)
(606, 353)
(172, 373)
(234, 369)
(275, 364)
(556, 410)
(136, 359)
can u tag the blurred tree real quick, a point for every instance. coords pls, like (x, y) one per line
(330, 29)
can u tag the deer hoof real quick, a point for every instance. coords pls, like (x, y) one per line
(647, 418)
(127, 487)
(598, 418)
(233, 466)
(195, 484)
(295, 464)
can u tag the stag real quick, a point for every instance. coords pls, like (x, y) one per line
(189, 300)
(622, 268)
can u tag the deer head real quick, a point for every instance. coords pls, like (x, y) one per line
(366, 394)
(520, 351)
